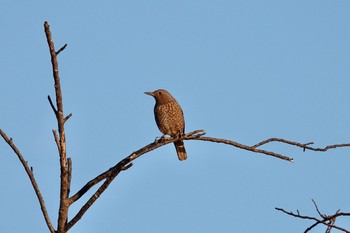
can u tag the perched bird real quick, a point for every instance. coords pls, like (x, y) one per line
(169, 118)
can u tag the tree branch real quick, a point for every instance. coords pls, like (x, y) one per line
(32, 180)
(89, 203)
(305, 146)
(52, 105)
(241, 146)
(326, 220)
(124, 164)
(64, 187)
(195, 135)
(67, 117)
(56, 139)
(61, 49)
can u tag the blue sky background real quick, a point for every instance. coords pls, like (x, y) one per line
(242, 70)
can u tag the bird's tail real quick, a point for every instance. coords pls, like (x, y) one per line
(180, 149)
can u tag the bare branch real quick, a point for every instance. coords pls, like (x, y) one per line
(124, 164)
(32, 180)
(64, 187)
(198, 133)
(56, 139)
(67, 117)
(318, 211)
(52, 105)
(89, 203)
(326, 220)
(310, 227)
(241, 146)
(61, 49)
(301, 145)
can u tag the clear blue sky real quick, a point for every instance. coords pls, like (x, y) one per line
(242, 70)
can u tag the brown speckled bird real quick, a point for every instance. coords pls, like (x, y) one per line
(169, 118)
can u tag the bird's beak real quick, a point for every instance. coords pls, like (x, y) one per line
(149, 93)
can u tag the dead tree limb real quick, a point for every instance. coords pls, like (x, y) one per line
(195, 135)
(305, 146)
(61, 139)
(327, 220)
(32, 180)
(124, 164)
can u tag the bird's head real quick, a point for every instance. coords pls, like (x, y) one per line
(161, 96)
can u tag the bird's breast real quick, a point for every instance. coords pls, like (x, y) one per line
(169, 118)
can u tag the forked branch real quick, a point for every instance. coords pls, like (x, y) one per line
(326, 220)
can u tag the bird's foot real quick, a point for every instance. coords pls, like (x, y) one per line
(160, 139)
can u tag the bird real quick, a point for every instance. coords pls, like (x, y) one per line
(169, 118)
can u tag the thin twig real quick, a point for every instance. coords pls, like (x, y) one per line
(32, 180)
(241, 146)
(52, 105)
(61, 49)
(301, 145)
(318, 211)
(312, 226)
(67, 117)
(56, 139)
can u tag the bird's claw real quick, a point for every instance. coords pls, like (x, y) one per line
(159, 139)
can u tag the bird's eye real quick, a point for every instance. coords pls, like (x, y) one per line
(159, 93)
